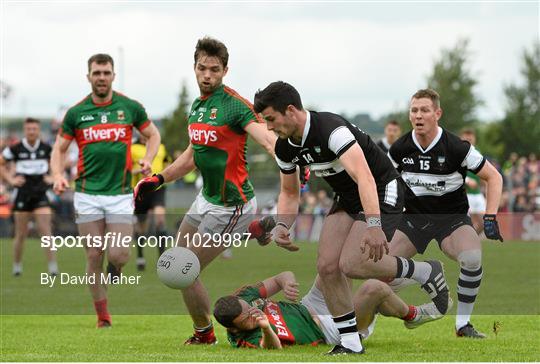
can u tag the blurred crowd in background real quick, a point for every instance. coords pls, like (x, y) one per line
(521, 191)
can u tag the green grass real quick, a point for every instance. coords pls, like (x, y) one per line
(150, 322)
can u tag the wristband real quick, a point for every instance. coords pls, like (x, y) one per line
(160, 178)
(282, 224)
(373, 222)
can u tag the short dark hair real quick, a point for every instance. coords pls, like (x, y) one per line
(277, 95)
(226, 309)
(100, 58)
(393, 122)
(212, 48)
(468, 131)
(428, 93)
(31, 121)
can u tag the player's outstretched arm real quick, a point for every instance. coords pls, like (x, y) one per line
(152, 146)
(58, 157)
(180, 167)
(354, 162)
(494, 183)
(284, 281)
(262, 135)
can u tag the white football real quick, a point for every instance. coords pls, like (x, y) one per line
(178, 267)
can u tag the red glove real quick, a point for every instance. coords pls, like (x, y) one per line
(305, 173)
(146, 186)
(260, 229)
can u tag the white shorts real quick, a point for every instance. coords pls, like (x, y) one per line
(117, 209)
(477, 203)
(210, 218)
(314, 302)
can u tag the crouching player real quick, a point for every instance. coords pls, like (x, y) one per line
(253, 320)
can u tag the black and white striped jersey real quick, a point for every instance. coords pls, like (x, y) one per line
(435, 175)
(32, 162)
(326, 137)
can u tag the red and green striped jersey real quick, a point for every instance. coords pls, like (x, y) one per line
(292, 322)
(103, 134)
(216, 130)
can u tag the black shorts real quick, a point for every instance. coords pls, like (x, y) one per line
(421, 229)
(391, 200)
(30, 200)
(156, 198)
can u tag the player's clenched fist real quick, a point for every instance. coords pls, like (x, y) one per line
(491, 228)
(147, 185)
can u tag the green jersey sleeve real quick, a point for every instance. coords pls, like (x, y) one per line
(242, 114)
(68, 124)
(253, 293)
(140, 119)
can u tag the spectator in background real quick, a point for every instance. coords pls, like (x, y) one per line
(392, 132)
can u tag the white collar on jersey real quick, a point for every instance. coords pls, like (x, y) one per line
(384, 140)
(435, 141)
(306, 131)
(29, 147)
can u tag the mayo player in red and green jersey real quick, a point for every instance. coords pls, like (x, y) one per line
(102, 125)
(254, 320)
(219, 123)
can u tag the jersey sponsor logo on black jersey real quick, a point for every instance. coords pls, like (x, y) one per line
(407, 161)
(439, 186)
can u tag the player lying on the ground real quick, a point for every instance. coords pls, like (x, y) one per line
(254, 320)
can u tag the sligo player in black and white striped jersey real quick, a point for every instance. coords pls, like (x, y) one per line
(434, 162)
(30, 181)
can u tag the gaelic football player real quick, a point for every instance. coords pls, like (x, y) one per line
(102, 124)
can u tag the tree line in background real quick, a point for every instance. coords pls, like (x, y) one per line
(518, 131)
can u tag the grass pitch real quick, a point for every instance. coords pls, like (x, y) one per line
(150, 323)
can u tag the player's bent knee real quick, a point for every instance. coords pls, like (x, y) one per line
(353, 269)
(94, 255)
(373, 288)
(327, 268)
(470, 259)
